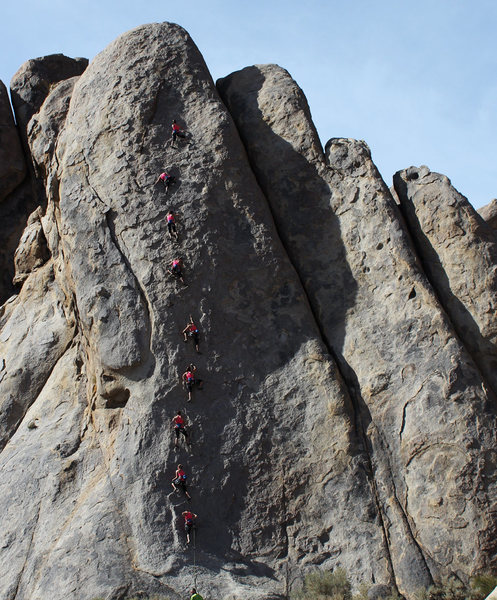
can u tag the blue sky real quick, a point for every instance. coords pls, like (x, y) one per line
(417, 80)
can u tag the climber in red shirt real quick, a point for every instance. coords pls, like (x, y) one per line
(189, 523)
(171, 224)
(176, 131)
(178, 424)
(166, 179)
(179, 481)
(191, 330)
(189, 380)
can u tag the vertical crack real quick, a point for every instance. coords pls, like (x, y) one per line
(28, 553)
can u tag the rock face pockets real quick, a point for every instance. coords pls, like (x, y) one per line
(336, 395)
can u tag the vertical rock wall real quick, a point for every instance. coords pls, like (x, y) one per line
(418, 394)
(277, 468)
(459, 254)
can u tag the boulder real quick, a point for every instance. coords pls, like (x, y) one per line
(35, 332)
(32, 251)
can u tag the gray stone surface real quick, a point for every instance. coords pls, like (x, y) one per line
(459, 254)
(32, 83)
(29, 88)
(278, 474)
(414, 386)
(489, 213)
(32, 251)
(34, 334)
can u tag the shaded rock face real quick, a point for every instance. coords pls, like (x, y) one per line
(489, 213)
(14, 213)
(12, 165)
(29, 89)
(14, 194)
(459, 254)
(335, 399)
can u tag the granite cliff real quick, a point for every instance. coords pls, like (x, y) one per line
(347, 416)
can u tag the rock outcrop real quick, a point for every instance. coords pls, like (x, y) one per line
(489, 213)
(14, 194)
(459, 254)
(342, 422)
(33, 82)
(380, 318)
(21, 188)
(12, 165)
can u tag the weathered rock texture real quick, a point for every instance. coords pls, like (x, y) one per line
(341, 422)
(22, 188)
(33, 82)
(489, 213)
(459, 254)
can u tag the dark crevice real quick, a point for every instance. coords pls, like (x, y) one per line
(28, 553)
(117, 399)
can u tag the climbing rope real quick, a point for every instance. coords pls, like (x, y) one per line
(194, 558)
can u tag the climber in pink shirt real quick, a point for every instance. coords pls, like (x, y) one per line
(176, 271)
(166, 179)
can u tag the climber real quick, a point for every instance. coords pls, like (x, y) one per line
(176, 270)
(176, 132)
(179, 481)
(166, 179)
(178, 424)
(191, 330)
(189, 380)
(171, 224)
(189, 523)
(195, 595)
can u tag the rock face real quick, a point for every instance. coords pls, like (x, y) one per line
(29, 87)
(33, 81)
(14, 194)
(337, 395)
(396, 349)
(489, 213)
(12, 165)
(459, 253)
